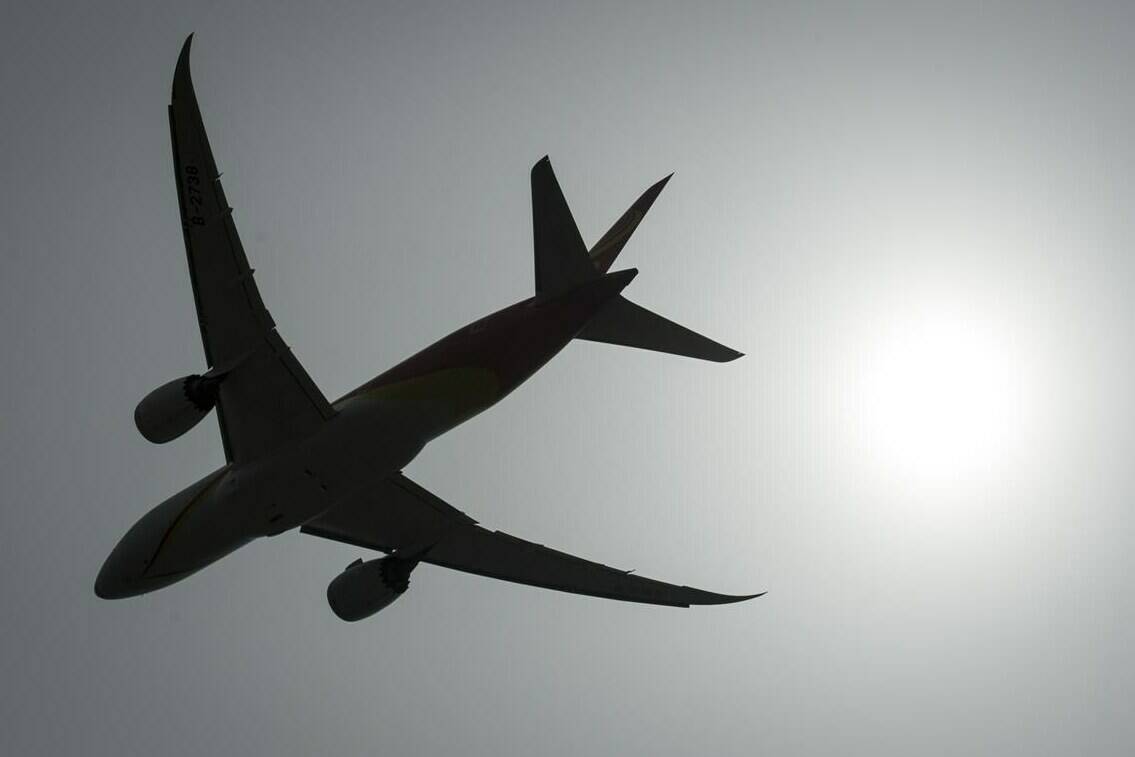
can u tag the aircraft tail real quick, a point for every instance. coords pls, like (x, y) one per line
(563, 261)
(560, 255)
(625, 323)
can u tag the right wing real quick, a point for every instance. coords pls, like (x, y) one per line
(266, 398)
(403, 515)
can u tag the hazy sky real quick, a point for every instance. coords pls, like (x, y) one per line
(916, 223)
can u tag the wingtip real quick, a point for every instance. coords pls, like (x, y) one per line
(735, 598)
(183, 57)
(647, 198)
(181, 72)
(721, 354)
(542, 164)
(701, 597)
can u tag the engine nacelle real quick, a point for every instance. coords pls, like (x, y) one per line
(364, 588)
(172, 409)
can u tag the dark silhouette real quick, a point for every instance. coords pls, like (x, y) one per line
(333, 469)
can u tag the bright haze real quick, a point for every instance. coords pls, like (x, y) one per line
(916, 223)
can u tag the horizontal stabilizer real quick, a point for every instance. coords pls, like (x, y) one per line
(605, 251)
(624, 323)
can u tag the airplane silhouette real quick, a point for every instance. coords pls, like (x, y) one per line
(334, 469)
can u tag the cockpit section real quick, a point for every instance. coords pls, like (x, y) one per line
(157, 550)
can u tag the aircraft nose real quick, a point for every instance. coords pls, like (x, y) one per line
(115, 580)
(123, 572)
(128, 571)
(107, 584)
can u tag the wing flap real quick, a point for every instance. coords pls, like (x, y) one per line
(402, 515)
(395, 515)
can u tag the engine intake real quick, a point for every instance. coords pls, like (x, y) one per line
(172, 409)
(364, 588)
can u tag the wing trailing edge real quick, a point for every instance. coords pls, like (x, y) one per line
(401, 515)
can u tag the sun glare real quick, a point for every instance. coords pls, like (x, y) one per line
(942, 398)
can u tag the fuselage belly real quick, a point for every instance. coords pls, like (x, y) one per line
(377, 430)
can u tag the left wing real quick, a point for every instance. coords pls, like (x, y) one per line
(402, 515)
(266, 397)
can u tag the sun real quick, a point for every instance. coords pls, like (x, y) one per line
(942, 396)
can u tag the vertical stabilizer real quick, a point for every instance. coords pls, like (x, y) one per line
(560, 254)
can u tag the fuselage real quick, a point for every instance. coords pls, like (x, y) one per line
(377, 429)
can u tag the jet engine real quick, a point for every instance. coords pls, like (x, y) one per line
(172, 409)
(364, 588)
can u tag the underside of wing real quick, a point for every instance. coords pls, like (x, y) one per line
(401, 515)
(266, 397)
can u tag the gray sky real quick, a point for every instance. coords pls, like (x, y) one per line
(916, 223)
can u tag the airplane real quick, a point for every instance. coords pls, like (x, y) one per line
(334, 469)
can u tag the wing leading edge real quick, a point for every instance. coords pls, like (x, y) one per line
(267, 397)
(403, 515)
